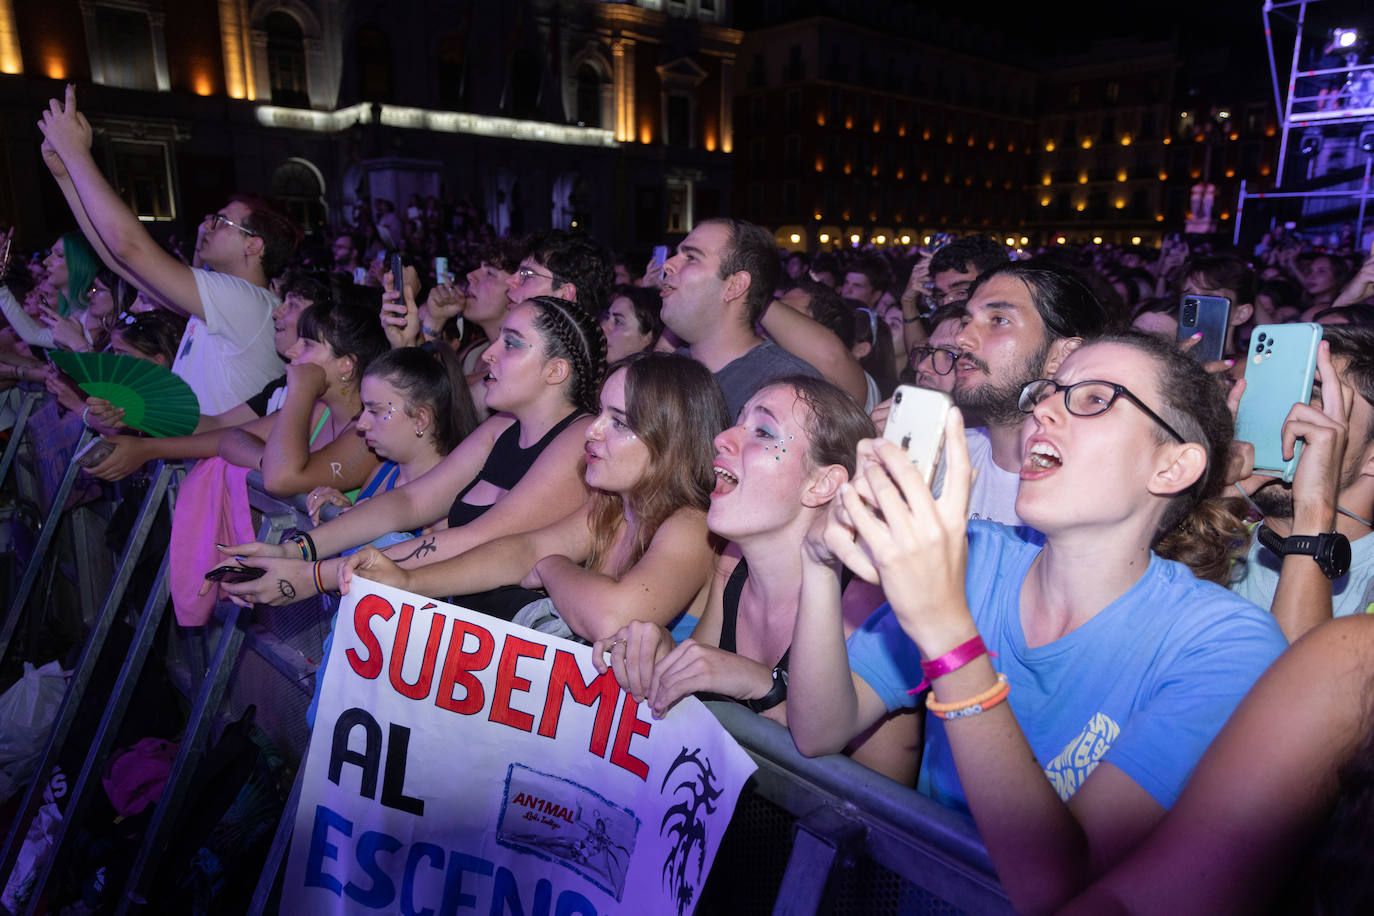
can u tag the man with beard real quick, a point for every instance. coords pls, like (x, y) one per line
(1021, 320)
(1331, 498)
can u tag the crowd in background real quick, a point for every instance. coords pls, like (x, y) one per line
(550, 433)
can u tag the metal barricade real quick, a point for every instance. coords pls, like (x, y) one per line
(830, 835)
(808, 835)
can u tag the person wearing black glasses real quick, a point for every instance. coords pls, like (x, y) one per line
(931, 365)
(227, 353)
(1079, 669)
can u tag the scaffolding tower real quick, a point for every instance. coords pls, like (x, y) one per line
(1327, 113)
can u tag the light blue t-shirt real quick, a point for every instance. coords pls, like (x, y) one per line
(1145, 684)
(1257, 578)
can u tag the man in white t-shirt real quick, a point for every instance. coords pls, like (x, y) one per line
(227, 352)
(1022, 319)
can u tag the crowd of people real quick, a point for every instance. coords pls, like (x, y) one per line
(1081, 640)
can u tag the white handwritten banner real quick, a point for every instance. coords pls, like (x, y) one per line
(462, 764)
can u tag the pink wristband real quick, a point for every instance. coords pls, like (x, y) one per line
(952, 660)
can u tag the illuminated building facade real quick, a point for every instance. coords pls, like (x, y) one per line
(614, 117)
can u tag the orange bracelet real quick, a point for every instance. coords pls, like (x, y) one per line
(972, 706)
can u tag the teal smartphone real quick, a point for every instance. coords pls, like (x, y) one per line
(1279, 371)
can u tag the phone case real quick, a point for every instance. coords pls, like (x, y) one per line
(1210, 315)
(1278, 374)
(917, 424)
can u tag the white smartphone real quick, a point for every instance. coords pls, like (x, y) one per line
(917, 424)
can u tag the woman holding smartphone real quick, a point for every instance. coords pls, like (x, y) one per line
(1114, 666)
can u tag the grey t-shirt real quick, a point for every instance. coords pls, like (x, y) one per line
(765, 363)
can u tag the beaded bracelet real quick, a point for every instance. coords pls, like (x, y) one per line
(972, 706)
(952, 660)
(319, 583)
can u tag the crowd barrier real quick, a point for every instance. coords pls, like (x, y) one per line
(808, 835)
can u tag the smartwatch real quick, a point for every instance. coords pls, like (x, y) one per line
(774, 696)
(1331, 550)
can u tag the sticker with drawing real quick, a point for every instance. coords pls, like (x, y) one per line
(558, 820)
(1081, 755)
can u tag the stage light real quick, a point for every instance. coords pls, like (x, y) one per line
(1310, 143)
(1344, 38)
(825, 237)
(1367, 140)
(795, 238)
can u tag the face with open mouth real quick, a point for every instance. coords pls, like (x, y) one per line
(761, 465)
(514, 361)
(1092, 469)
(284, 319)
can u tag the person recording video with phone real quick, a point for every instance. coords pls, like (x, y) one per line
(1330, 500)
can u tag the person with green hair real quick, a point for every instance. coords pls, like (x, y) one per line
(71, 267)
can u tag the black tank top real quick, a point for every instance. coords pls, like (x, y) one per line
(504, 467)
(729, 607)
(729, 611)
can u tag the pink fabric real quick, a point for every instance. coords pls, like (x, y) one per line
(212, 507)
(134, 776)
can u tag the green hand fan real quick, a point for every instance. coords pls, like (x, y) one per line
(153, 399)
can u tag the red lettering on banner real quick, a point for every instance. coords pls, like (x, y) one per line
(567, 675)
(507, 681)
(368, 607)
(420, 689)
(458, 668)
(630, 725)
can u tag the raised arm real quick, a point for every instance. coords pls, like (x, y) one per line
(831, 705)
(30, 329)
(122, 238)
(1303, 597)
(1261, 790)
(1045, 850)
(814, 342)
(288, 465)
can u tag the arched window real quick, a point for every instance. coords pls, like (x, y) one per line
(299, 187)
(286, 60)
(374, 65)
(588, 96)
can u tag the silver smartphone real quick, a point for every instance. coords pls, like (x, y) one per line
(917, 424)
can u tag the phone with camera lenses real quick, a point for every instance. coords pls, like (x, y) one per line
(1279, 371)
(1209, 316)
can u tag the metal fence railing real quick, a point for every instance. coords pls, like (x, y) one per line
(808, 836)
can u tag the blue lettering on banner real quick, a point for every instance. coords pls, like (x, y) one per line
(375, 853)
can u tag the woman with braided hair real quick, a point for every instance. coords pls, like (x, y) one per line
(519, 470)
(638, 548)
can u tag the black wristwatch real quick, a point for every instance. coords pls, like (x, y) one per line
(772, 697)
(1331, 550)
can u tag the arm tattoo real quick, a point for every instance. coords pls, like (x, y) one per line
(426, 548)
(288, 591)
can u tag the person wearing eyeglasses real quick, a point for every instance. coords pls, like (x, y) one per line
(1078, 668)
(227, 353)
(931, 365)
(566, 265)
